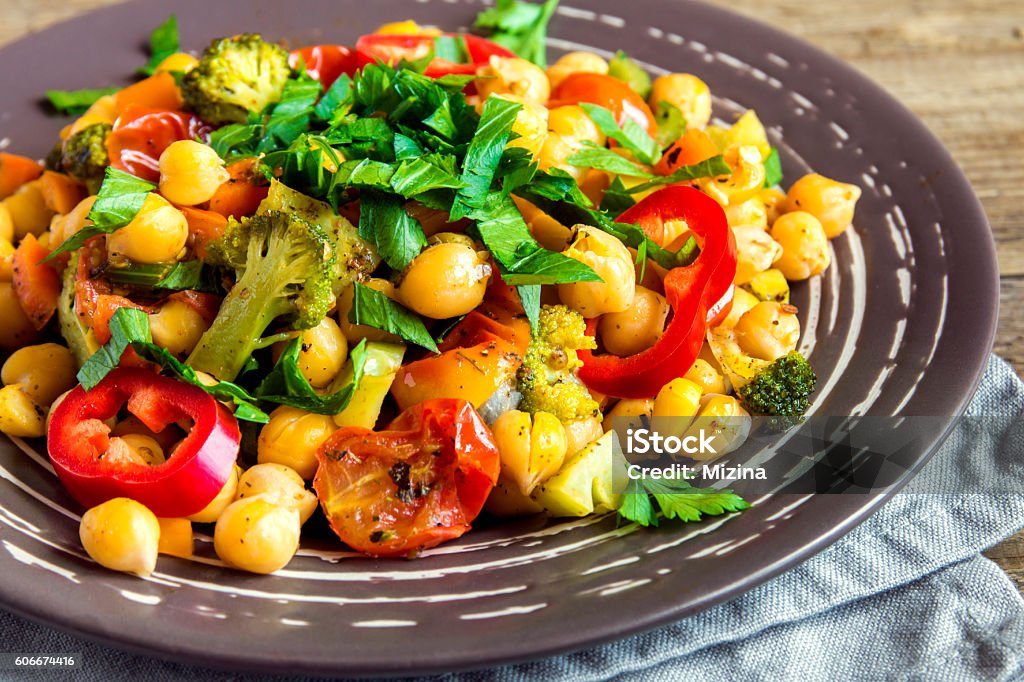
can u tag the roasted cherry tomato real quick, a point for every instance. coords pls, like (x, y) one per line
(141, 135)
(36, 283)
(608, 92)
(325, 62)
(392, 49)
(413, 486)
(196, 469)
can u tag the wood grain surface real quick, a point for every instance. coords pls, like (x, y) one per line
(958, 65)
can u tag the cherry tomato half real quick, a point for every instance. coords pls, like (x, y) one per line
(392, 49)
(608, 92)
(413, 486)
(325, 63)
(141, 135)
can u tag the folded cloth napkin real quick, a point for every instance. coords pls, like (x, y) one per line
(906, 595)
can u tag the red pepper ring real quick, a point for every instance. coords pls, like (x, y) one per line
(699, 294)
(196, 469)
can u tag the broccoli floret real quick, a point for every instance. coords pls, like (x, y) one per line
(547, 378)
(234, 77)
(84, 156)
(782, 389)
(284, 269)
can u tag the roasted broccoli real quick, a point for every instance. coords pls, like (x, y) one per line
(782, 389)
(234, 77)
(285, 269)
(84, 156)
(547, 378)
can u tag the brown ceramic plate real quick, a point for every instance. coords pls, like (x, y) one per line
(901, 324)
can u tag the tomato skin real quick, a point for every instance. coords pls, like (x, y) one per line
(325, 63)
(141, 135)
(195, 470)
(693, 147)
(391, 49)
(610, 93)
(410, 487)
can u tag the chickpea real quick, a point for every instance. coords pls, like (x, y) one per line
(643, 407)
(750, 213)
(21, 416)
(829, 201)
(451, 238)
(707, 377)
(175, 538)
(532, 449)
(769, 330)
(28, 210)
(445, 280)
(573, 124)
(139, 448)
(756, 251)
(513, 76)
(191, 172)
(742, 301)
(725, 418)
(292, 437)
(746, 180)
(212, 511)
(177, 326)
(6, 260)
(357, 332)
(406, 28)
(805, 250)
(689, 94)
(576, 62)
(606, 256)
(531, 125)
(121, 535)
(280, 485)
(64, 226)
(44, 371)
(678, 398)
(323, 354)
(580, 433)
(637, 328)
(156, 235)
(6, 223)
(555, 153)
(182, 62)
(255, 535)
(17, 330)
(774, 200)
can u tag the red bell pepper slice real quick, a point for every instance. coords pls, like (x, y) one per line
(699, 294)
(195, 470)
(391, 49)
(141, 135)
(325, 63)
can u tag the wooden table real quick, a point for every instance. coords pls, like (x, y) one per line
(958, 65)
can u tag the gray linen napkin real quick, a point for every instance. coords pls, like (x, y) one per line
(906, 595)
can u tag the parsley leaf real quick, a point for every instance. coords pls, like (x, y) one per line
(677, 499)
(600, 158)
(374, 309)
(163, 42)
(710, 168)
(616, 199)
(529, 296)
(484, 154)
(130, 327)
(76, 101)
(385, 223)
(286, 385)
(181, 276)
(631, 136)
(520, 26)
(425, 173)
(772, 168)
(119, 200)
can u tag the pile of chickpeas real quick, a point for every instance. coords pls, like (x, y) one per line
(781, 238)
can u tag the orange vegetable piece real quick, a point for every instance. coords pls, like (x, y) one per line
(15, 171)
(36, 283)
(693, 147)
(242, 194)
(471, 374)
(60, 192)
(203, 227)
(159, 91)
